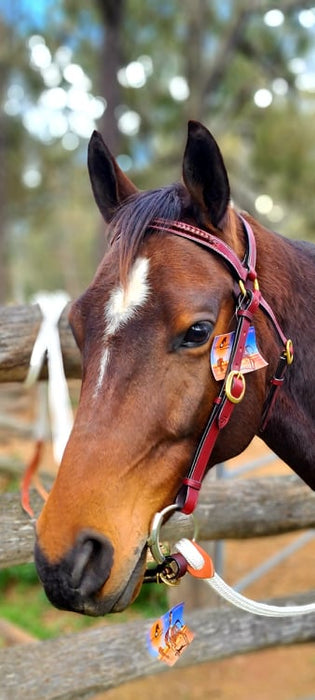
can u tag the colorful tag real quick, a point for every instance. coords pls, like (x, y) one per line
(169, 636)
(221, 350)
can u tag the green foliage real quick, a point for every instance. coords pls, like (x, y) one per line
(23, 602)
(225, 52)
(295, 156)
(20, 576)
(152, 600)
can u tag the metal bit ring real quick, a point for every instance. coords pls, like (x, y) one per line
(154, 537)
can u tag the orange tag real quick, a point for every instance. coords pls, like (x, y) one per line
(221, 350)
(207, 571)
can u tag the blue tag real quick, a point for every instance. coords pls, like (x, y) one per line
(221, 351)
(169, 636)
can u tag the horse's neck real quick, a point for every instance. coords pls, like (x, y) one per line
(291, 429)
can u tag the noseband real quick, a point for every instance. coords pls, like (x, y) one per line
(248, 299)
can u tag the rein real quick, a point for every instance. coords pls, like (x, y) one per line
(248, 300)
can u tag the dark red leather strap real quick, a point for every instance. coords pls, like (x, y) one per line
(222, 409)
(207, 240)
(276, 382)
(249, 299)
(268, 310)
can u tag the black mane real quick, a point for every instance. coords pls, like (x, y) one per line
(132, 220)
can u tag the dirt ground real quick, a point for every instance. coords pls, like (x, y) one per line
(286, 673)
(279, 674)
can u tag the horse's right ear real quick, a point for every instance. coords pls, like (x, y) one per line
(109, 184)
(205, 175)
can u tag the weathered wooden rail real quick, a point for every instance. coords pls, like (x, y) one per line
(19, 328)
(256, 507)
(80, 665)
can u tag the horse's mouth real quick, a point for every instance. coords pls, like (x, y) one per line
(118, 602)
(133, 586)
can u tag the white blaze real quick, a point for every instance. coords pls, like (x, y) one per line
(122, 306)
(103, 365)
(122, 302)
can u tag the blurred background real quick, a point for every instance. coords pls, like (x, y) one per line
(137, 71)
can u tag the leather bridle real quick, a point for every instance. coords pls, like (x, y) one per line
(248, 299)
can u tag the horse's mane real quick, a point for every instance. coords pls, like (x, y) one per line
(132, 220)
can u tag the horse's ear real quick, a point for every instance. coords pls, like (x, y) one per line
(205, 175)
(109, 184)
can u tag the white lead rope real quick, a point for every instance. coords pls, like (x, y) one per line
(48, 343)
(195, 559)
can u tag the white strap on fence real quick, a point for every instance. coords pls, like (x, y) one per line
(47, 341)
(196, 561)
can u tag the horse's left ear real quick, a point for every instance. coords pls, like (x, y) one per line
(109, 184)
(205, 175)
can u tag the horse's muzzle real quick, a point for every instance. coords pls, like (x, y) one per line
(74, 582)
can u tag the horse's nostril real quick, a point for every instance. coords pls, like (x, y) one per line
(78, 577)
(81, 561)
(90, 562)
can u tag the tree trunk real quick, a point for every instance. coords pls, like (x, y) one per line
(111, 13)
(195, 70)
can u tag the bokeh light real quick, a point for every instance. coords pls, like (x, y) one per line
(307, 18)
(274, 18)
(263, 98)
(263, 204)
(179, 88)
(31, 177)
(129, 122)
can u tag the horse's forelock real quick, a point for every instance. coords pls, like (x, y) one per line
(132, 220)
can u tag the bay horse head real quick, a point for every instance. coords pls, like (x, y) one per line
(144, 327)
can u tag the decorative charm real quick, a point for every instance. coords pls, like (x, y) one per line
(169, 636)
(221, 350)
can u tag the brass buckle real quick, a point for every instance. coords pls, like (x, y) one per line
(289, 351)
(229, 383)
(242, 288)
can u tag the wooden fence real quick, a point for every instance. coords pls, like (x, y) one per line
(19, 328)
(80, 665)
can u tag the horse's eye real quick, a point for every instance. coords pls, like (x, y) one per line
(198, 334)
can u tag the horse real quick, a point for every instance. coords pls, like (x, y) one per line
(145, 326)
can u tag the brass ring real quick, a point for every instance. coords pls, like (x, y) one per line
(289, 351)
(154, 537)
(228, 386)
